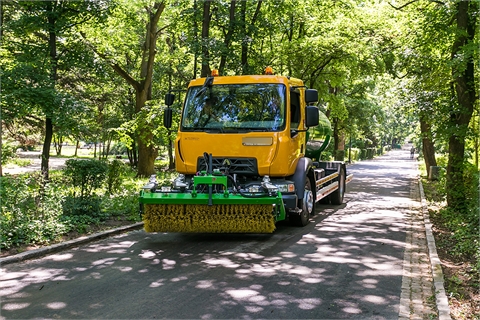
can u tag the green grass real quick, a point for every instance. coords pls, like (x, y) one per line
(37, 212)
(69, 151)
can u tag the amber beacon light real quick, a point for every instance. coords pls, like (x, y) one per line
(268, 70)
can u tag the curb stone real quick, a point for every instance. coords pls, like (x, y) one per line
(67, 244)
(438, 280)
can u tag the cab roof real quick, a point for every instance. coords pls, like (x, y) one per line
(248, 79)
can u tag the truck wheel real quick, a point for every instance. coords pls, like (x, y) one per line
(308, 205)
(337, 196)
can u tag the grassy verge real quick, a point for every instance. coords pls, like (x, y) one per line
(457, 239)
(36, 213)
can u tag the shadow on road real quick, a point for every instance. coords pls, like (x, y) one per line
(347, 263)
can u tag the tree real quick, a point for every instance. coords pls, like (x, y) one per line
(46, 30)
(205, 39)
(442, 62)
(142, 84)
(462, 59)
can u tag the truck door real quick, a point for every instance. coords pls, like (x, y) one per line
(298, 140)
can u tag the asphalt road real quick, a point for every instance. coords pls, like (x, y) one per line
(347, 263)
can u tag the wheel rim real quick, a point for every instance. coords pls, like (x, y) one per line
(341, 186)
(308, 201)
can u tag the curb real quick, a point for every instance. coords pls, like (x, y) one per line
(438, 282)
(68, 244)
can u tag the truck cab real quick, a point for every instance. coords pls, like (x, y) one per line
(259, 129)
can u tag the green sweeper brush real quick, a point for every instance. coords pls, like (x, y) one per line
(209, 206)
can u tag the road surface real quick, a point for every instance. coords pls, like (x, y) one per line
(349, 262)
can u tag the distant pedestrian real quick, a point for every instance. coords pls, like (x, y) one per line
(412, 153)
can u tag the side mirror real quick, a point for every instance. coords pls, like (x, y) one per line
(167, 118)
(311, 96)
(311, 116)
(169, 98)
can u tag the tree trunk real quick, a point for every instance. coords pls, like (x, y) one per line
(339, 144)
(244, 51)
(58, 143)
(52, 44)
(228, 37)
(428, 147)
(1, 127)
(195, 36)
(1, 143)
(171, 161)
(205, 34)
(147, 152)
(464, 82)
(46, 147)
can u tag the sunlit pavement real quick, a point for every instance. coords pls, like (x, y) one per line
(367, 259)
(36, 163)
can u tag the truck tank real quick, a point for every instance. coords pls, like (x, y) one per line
(318, 137)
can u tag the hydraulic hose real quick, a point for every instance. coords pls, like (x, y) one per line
(243, 194)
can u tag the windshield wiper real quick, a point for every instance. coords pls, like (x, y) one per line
(256, 129)
(213, 130)
(208, 83)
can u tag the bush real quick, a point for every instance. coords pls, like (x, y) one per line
(463, 226)
(30, 210)
(116, 172)
(86, 175)
(354, 154)
(118, 148)
(370, 153)
(8, 152)
(88, 206)
(34, 211)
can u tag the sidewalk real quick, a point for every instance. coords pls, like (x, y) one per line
(423, 294)
(54, 163)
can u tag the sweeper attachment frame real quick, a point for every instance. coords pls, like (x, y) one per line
(211, 202)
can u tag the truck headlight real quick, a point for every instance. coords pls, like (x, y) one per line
(286, 187)
(254, 188)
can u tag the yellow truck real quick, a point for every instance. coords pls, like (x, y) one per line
(247, 155)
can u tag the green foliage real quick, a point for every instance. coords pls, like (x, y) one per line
(116, 172)
(118, 148)
(30, 210)
(462, 239)
(354, 154)
(86, 174)
(37, 212)
(21, 162)
(124, 203)
(87, 206)
(8, 152)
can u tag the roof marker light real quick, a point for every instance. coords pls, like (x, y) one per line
(215, 73)
(268, 70)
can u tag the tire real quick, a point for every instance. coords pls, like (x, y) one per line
(325, 200)
(336, 197)
(308, 207)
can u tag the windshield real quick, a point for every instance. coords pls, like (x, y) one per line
(235, 108)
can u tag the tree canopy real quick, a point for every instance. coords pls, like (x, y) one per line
(386, 71)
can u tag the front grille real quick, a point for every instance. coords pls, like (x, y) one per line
(242, 166)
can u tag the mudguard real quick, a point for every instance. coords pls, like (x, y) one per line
(304, 168)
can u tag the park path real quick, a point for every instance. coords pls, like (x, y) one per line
(35, 158)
